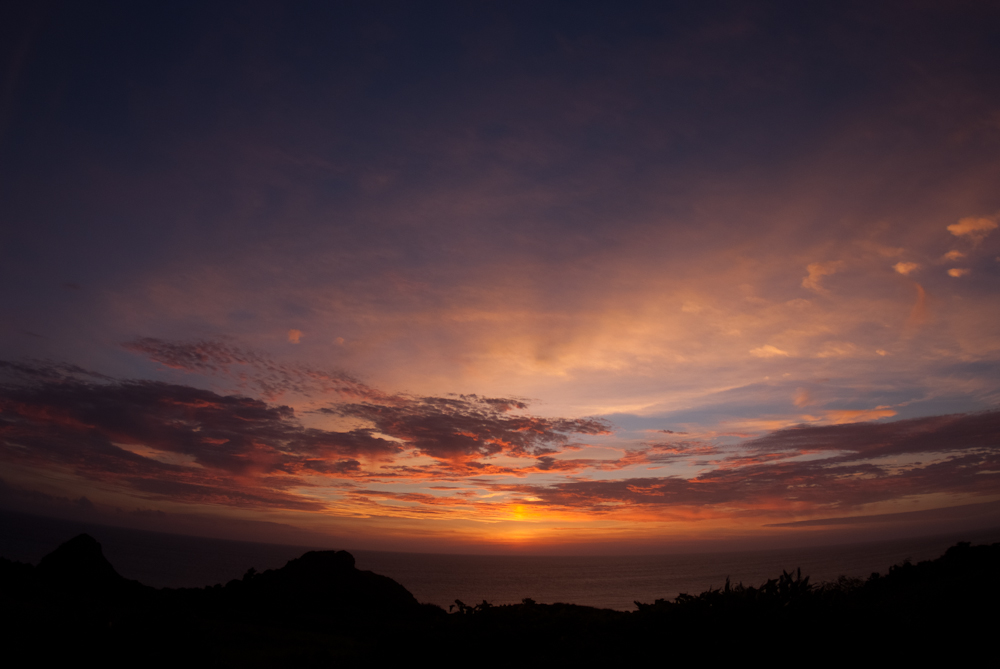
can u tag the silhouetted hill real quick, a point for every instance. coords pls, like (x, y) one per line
(320, 610)
(79, 567)
(319, 586)
(79, 559)
(320, 580)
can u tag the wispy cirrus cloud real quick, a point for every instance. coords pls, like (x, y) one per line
(470, 427)
(456, 428)
(249, 368)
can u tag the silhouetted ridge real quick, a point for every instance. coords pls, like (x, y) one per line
(320, 562)
(80, 564)
(323, 583)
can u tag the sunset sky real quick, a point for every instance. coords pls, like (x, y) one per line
(502, 276)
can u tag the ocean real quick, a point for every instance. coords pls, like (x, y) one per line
(614, 582)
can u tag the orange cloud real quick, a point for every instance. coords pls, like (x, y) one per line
(768, 351)
(854, 416)
(975, 229)
(816, 271)
(837, 349)
(918, 314)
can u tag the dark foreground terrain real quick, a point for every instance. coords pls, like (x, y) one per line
(319, 610)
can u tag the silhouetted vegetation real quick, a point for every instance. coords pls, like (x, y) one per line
(320, 610)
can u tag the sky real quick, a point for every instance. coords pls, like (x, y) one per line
(492, 277)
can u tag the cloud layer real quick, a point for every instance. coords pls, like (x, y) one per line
(470, 457)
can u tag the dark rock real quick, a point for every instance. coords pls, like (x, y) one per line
(317, 563)
(80, 564)
(325, 583)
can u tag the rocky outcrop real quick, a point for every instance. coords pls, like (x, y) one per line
(321, 583)
(79, 564)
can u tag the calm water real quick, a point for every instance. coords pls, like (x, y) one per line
(167, 560)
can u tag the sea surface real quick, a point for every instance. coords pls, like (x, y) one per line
(614, 582)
